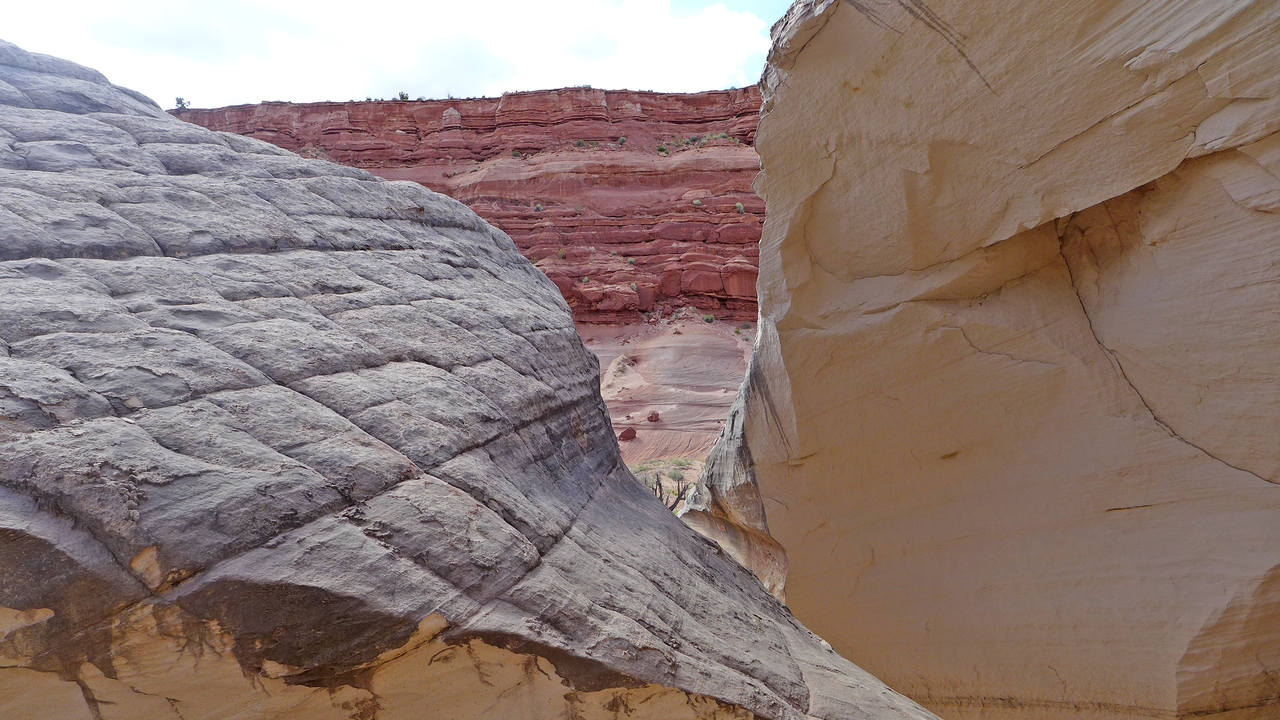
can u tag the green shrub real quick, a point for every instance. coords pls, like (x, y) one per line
(708, 318)
(631, 285)
(675, 475)
(561, 252)
(662, 148)
(516, 154)
(181, 103)
(622, 140)
(580, 143)
(739, 208)
(537, 207)
(402, 95)
(697, 203)
(631, 261)
(585, 280)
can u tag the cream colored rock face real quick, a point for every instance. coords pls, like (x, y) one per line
(1015, 414)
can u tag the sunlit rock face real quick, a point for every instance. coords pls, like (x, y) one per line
(1014, 413)
(281, 439)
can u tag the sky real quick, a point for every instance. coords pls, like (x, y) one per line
(228, 52)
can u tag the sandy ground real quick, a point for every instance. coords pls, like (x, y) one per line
(685, 369)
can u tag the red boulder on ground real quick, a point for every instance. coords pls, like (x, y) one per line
(627, 434)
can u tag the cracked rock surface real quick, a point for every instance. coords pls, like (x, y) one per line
(281, 439)
(1012, 428)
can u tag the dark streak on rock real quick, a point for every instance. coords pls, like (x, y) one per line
(919, 10)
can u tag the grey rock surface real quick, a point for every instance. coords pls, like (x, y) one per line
(281, 408)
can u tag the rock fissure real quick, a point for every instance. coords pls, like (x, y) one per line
(1120, 371)
(432, 432)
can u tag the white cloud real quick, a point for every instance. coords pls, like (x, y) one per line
(242, 51)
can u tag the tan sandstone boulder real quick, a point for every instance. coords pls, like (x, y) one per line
(1014, 413)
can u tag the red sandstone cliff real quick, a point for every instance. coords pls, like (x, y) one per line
(629, 201)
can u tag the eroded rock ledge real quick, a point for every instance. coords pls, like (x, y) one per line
(630, 201)
(1015, 411)
(282, 439)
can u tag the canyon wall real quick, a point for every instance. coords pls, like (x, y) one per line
(630, 202)
(1014, 414)
(281, 439)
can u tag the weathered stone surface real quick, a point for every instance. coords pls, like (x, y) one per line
(1014, 412)
(282, 439)
(672, 381)
(575, 176)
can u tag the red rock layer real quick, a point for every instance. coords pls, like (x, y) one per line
(630, 201)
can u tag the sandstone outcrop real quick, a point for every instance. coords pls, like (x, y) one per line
(1015, 410)
(672, 381)
(630, 201)
(282, 439)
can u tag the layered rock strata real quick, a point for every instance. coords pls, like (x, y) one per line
(1015, 410)
(630, 201)
(282, 439)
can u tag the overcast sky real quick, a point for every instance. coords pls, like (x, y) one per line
(243, 51)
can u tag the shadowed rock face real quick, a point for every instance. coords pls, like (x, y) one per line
(1014, 413)
(281, 439)
(646, 195)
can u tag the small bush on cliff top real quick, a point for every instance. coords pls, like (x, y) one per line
(402, 95)
(181, 103)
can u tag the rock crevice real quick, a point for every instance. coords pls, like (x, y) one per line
(279, 438)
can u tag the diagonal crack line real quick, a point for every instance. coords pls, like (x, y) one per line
(996, 353)
(1106, 118)
(1115, 361)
